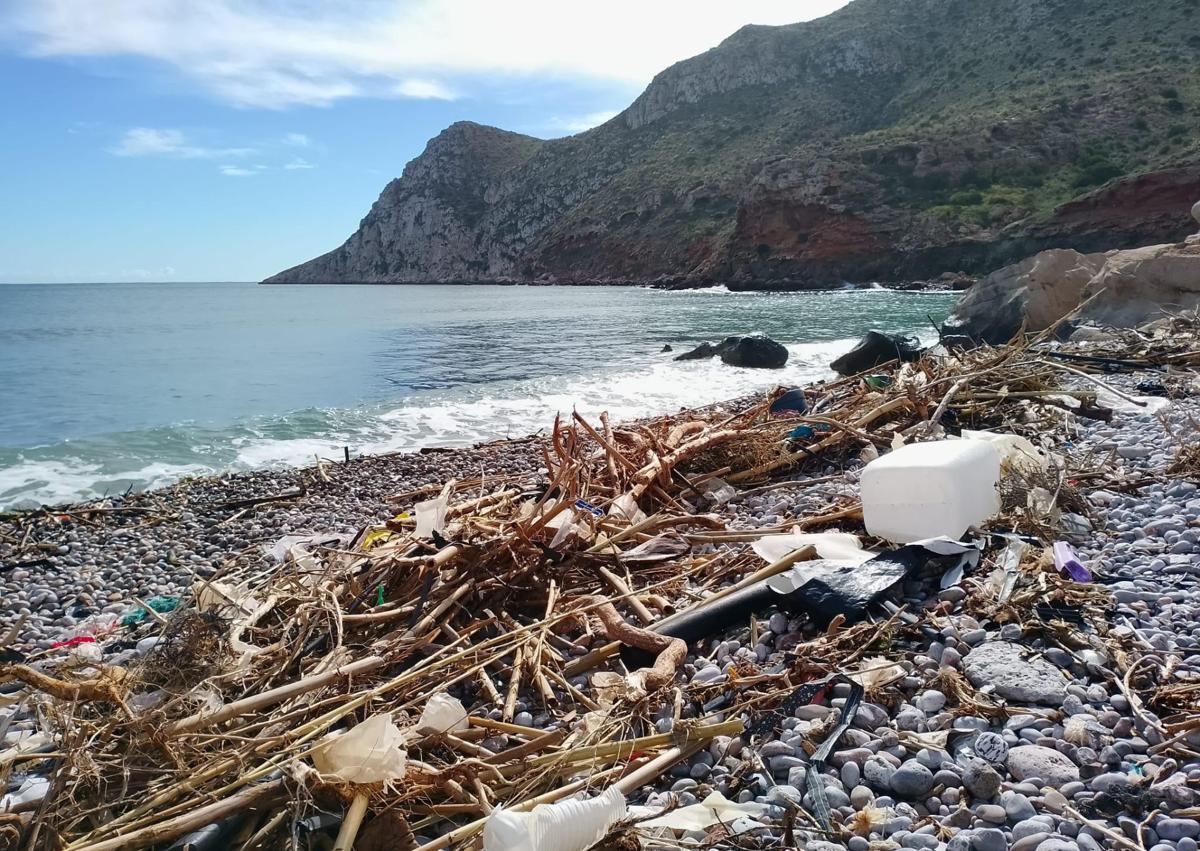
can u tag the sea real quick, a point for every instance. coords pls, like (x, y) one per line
(110, 387)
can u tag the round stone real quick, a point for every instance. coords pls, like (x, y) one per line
(1057, 843)
(991, 813)
(930, 702)
(992, 747)
(1019, 808)
(989, 839)
(1174, 829)
(981, 780)
(861, 796)
(877, 772)
(912, 780)
(1003, 666)
(1044, 763)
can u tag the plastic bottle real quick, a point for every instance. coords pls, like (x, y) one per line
(927, 490)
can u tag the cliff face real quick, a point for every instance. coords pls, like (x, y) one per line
(891, 140)
(428, 224)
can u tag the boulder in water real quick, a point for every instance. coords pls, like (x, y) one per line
(701, 352)
(755, 352)
(876, 348)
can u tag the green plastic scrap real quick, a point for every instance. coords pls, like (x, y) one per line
(162, 605)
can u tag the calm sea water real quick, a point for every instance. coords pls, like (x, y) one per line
(107, 386)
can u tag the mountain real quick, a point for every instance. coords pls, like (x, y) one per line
(891, 140)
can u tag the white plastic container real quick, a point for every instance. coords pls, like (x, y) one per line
(926, 490)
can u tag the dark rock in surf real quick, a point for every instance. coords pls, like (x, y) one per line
(701, 352)
(756, 352)
(876, 348)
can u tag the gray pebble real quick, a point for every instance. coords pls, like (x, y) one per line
(912, 780)
(989, 839)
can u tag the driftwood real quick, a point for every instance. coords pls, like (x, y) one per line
(670, 651)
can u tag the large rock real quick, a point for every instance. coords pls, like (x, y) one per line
(1134, 286)
(1047, 764)
(1001, 665)
(1034, 293)
(756, 352)
(1120, 288)
(875, 348)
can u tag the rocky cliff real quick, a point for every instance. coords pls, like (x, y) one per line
(891, 140)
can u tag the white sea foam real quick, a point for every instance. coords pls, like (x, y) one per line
(45, 481)
(31, 482)
(254, 453)
(449, 418)
(465, 416)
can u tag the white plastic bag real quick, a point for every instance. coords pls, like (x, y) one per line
(1016, 453)
(31, 790)
(719, 491)
(1149, 406)
(431, 516)
(372, 752)
(832, 546)
(626, 507)
(217, 596)
(442, 714)
(715, 809)
(570, 825)
(877, 672)
(564, 523)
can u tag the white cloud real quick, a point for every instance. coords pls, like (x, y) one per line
(296, 140)
(154, 142)
(276, 53)
(425, 90)
(584, 122)
(297, 164)
(238, 171)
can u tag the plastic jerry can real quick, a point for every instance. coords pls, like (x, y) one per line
(925, 490)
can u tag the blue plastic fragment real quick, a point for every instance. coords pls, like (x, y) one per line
(588, 507)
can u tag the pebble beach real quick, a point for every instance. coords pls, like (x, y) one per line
(1080, 766)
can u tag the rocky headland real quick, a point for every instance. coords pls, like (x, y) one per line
(892, 141)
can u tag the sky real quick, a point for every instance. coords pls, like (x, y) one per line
(222, 140)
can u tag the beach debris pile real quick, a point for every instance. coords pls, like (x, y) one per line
(610, 652)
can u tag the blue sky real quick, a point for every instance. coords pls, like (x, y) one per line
(228, 139)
